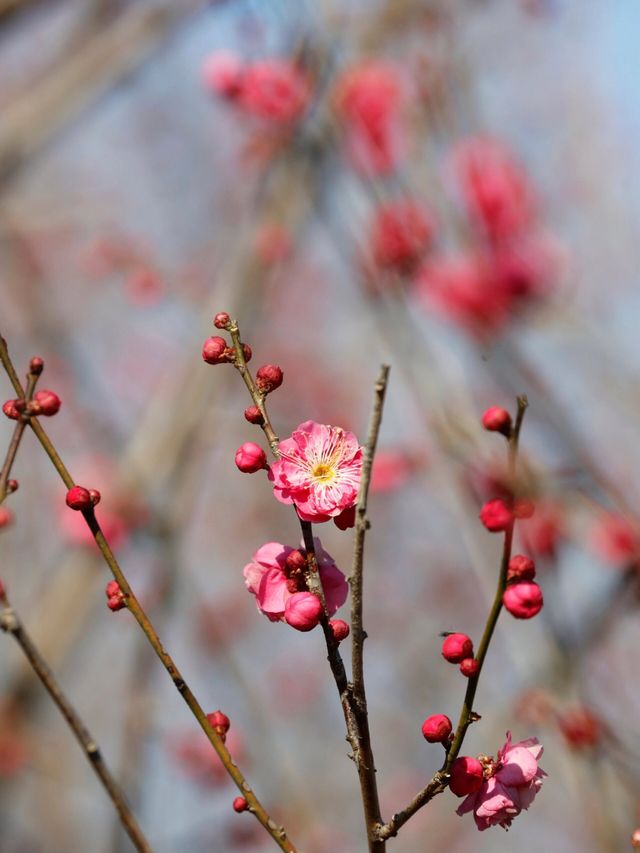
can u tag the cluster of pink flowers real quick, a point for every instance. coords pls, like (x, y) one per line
(497, 791)
(275, 90)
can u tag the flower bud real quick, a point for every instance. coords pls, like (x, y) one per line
(457, 647)
(339, 629)
(214, 350)
(247, 352)
(581, 728)
(496, 515)
(436, 729)
(11, 410)
(12, 486)
(496, 419)
(222, 320)
(95, 496)
(48, 402)
(6, 517)
(469, 667)
(79, 498)
(250, 457)
(254, 415)
(302, 611)
(523, 600)
(521, 568)
(268, 378)
(467, 776)
(115, 596)
(36, 366)
(240, 805)
(220, 722)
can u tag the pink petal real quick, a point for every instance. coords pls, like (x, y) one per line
(519, 768)
(272, 555)
(272, 592)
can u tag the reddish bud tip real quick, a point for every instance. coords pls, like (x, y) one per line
(457, 647)
(222, 320)
(240, 805)
(48, 402)
(250, 457)
(12, 486)
(496, 419)
(436, 729)
(496, 516)
(339, 629)
(115, 596)
(467, 776)
(521, 568)
(219, 721)
(254, 415)
(523, 600)
(79, 498)
(214, 350)
(302, 611)
(469, 667)
(36, 366)
(11, 409)
(6, 517)
(247, 352)
(268, 378)
(95, 496)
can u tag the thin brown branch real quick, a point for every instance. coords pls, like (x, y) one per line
(254, 805)
(16, 438)
(11, 623)
(439, 781)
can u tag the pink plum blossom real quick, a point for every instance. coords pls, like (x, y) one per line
(274, 579)
(318, 471)
(511, 784)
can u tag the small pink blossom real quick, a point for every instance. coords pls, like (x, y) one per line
(318, 471)
(275, 90)
(510, 786)
(274, 575)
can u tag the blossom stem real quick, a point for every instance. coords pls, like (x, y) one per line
(439, 781)
(16, 438)
(11, 623)
(277, 833)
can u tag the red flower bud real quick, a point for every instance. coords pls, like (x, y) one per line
(436, 729)
(580, 728)
(457, 647)
(247, 352)
(6, 517)
(12, 486)
(79, 498)
(95, 496)
(250, 457)
(254, 415)
(523, 600)
(496, 516)
(48, 402)
(521, 568)
(295, 562)
(11, 410)
(240, 804)
(115, 596)
(221, 320)
(339, 629)
(214, 350)
(469, 667)
(36, 366)
(219, 721)
(467, 776)
(496, 419)
(268, 378)
(302, 611)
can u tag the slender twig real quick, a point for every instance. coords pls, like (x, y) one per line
(439, 781)
(16, 438)
(254, 805)
(12, 624)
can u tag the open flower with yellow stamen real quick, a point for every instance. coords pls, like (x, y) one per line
(318, 471)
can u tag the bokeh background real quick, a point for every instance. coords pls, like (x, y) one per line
(451, 187)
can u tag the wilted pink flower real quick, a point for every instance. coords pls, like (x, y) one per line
(510, 785)
(318, 471)
(402, 231)
(273, 579)
(276, 90)
(495, 189)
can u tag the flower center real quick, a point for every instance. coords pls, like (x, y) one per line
(323, 473)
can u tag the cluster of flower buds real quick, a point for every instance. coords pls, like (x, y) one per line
(522, 597)
(220, 723)
(458, 648)
(115, 597)
(44, 403)
(82, 499)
